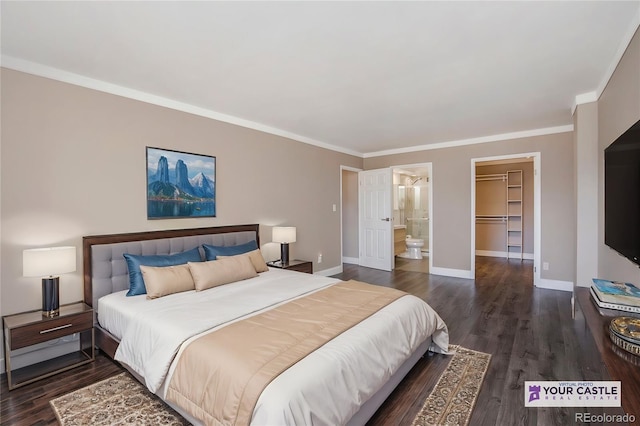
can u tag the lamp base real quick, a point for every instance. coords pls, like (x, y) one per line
(51, 314)
(284, 253)
(51, 297)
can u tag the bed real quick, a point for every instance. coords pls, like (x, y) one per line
(342, 381)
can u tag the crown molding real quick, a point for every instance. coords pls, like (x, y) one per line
(588, 97)
(473, 141)
(622, 48)
(103, 86)
(115, 89)
(584, 98)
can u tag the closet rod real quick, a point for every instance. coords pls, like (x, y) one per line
(491, 177)
(491, 219)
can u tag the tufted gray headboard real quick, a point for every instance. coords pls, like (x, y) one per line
(105, 269)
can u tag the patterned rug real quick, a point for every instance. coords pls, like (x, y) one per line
(454, 396)
(122, 400)
(118, 400)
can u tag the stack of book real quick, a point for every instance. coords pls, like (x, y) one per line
(614, 296)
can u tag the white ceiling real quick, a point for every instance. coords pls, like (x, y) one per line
(359, 77)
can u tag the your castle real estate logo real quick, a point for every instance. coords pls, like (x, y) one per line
(572, 394)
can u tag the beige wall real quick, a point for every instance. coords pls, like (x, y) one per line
(350, 221)
(73, 164)
(618, 109)
(490, 242)
(452, 198)
(586, 182)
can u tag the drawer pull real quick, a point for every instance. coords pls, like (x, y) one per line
(55, 328)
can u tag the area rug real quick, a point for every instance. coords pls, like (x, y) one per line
(122, 400)
(118, 400)
(452, 400)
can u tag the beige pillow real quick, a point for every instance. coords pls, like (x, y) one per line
(163, 280)
(221, 271)
(256, 259)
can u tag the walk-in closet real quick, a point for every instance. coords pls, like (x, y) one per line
(504, 209)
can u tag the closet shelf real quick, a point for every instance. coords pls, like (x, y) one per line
(501, 194)
(514, 204)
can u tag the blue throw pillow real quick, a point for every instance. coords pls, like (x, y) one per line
(136, 283)
(212, 252)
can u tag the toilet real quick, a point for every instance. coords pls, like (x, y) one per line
(414, 247)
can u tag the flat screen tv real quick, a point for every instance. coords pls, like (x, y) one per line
(622, 194)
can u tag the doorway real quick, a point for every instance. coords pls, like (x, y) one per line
(420, 176)
(349, 223)
(506, 210)
(412, 216)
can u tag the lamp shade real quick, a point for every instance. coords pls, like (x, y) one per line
(284, 234)
(43, 262)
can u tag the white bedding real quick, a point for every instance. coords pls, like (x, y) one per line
(326, 387)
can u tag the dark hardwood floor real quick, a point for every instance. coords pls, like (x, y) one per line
(29, 405)
(528, 331)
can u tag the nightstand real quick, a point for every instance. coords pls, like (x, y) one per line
(31, 328)
(294, 265)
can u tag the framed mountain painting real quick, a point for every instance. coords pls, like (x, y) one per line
(180, 184)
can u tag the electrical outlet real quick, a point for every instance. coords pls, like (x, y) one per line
(545, 266)
(320, 258)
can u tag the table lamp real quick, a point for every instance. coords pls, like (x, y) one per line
(48, 263)
(284, 235)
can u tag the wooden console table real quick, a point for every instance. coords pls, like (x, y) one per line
(620, 364)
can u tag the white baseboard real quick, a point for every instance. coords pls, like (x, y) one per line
(489, 253)
(330, 271)
(456, 273)
(351, 260)
(555, 284)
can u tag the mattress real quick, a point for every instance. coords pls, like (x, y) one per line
(326, 387)
(116, 311)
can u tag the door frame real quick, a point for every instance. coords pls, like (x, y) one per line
(537, 223)
(354, 170)
(429, 167)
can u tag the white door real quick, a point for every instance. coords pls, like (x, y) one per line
(376, 219)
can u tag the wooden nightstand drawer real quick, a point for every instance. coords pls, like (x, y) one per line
(53, 328)
(31, 328)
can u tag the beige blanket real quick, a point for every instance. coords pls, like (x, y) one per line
(220, 376)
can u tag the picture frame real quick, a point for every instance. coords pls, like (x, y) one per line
(180, 184)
